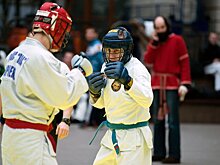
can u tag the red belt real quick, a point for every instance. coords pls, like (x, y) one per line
(163, 108)
(15, 123)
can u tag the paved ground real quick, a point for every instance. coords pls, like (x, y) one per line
(200, 145)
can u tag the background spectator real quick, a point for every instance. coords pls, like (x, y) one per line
(137, 29)
(211, 59)
(94, 54)
(84, 112)
(168, 59)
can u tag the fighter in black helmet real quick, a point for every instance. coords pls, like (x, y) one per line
(124, 90)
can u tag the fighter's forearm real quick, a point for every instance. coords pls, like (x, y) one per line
(67, 113)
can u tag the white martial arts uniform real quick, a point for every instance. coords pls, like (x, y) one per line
(127, 107)
(34, 87)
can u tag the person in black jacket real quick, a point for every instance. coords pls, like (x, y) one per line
(211, 59)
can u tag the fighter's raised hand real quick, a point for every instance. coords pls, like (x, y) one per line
(96, 82)
(117, 71)
(82, 63)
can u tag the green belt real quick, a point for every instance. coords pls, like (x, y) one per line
(115, 127)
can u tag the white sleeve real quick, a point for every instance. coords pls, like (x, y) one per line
(141, 90)
(99, 103)
(50, 83)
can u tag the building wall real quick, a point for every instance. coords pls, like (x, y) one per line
(148, 9)
(213, 11)
(185, 9)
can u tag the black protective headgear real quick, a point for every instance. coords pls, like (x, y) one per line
(118, 38)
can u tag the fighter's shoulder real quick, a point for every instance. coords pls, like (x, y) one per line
(40, 56)
(134, 62)
(135, 65)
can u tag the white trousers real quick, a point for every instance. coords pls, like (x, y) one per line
(214, 69)
(135, 146)
(26, 147)
(107, 156)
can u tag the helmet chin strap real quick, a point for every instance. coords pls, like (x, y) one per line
(39, 30)
(50, 40)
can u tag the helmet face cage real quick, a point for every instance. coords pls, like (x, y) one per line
(116, 39)
(118, 54)
(61, 35)
(55, 22)
(65, 41)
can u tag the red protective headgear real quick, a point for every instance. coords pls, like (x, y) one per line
(55, 22)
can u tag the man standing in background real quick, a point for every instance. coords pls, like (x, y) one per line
(211, 59)
(94, 49)
(94, 54)
(168, 59)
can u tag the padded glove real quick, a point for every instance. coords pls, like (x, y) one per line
(96, 82)
(117, 71)
(82, 63)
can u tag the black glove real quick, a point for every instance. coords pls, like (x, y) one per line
(117, 71)
(96, 82)
(155, 43)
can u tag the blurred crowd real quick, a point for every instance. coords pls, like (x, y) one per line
(166, 57)
(142, 33)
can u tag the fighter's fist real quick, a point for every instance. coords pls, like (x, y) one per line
(62, 130)
(82, 63)
(117, 71)
(96, 82)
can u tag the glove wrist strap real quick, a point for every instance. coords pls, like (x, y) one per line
(81, 70)
(128, 85)
(94, 95)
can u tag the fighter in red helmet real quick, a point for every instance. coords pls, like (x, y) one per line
(35, 85)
